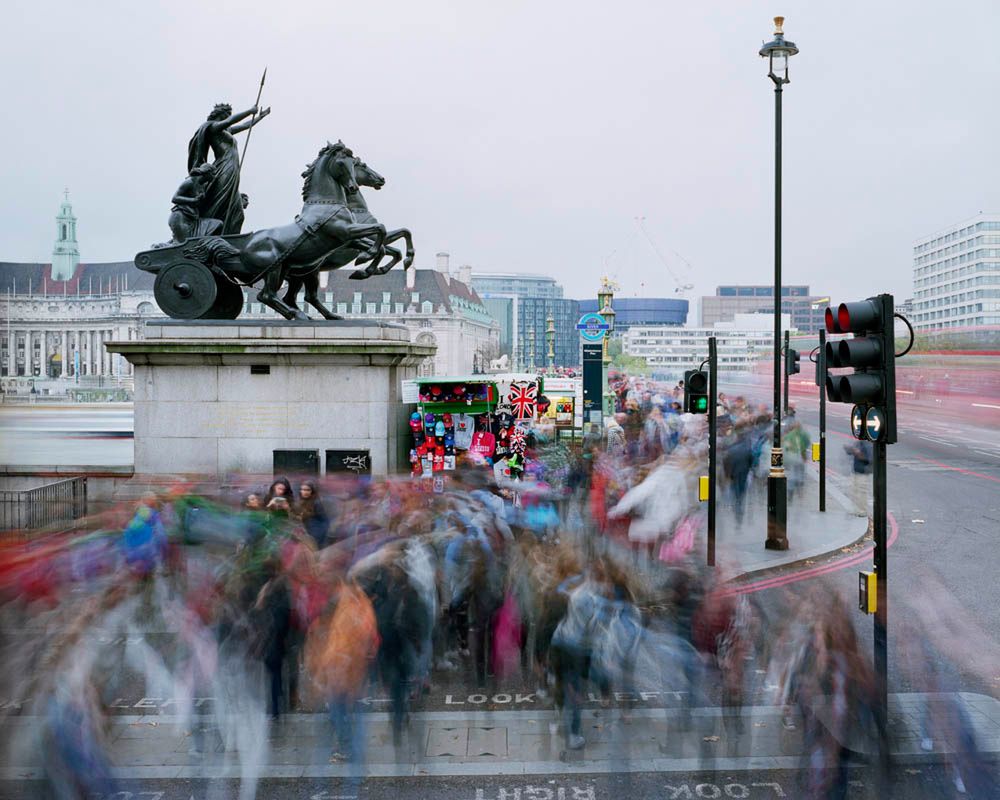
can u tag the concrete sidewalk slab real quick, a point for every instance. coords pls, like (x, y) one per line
(447, 743)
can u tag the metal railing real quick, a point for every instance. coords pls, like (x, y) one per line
(53, 505)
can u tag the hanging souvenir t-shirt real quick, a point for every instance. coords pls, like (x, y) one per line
(520, 396)
(501, 471)
(465, 426)
(483, 444)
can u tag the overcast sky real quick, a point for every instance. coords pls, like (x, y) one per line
(524, 136)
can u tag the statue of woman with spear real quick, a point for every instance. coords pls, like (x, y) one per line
(221, 199)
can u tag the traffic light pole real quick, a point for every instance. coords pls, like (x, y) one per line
(881, 618)
(787, 368)
(713, 425)
(821, 358)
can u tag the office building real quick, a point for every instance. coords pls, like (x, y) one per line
(631, 311)
(670, 350)
(805, 309)
(522, 304)
(956, 277)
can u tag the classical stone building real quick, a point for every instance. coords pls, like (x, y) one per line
(56, 317)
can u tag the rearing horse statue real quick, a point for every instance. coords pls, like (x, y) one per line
(324, 224)
(360, 250)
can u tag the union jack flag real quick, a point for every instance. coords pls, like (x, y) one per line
(517, 442)
(522, 398)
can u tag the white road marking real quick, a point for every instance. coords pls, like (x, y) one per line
(986, 405)
(938, 441)
(988, 453)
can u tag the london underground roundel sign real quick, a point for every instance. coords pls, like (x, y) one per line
(592, 327)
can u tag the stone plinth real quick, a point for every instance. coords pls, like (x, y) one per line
(219, 397)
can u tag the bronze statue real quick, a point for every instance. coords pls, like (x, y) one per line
(360, 251)
(201, 278)
(221, 196)
(185, 217)
(202, 271)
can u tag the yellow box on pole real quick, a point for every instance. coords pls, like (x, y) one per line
(815, 451)
(868, 592)
(703, 488)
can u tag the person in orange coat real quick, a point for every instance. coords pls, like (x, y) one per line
(340, 648)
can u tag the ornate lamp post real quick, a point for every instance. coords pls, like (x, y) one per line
(531, 350)
(550, 336)
(777, 52)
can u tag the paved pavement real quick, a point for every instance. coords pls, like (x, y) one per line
(740, 551)
(489, 743)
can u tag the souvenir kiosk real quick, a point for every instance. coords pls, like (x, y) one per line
(481, 417)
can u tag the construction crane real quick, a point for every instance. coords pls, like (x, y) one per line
(682, 287)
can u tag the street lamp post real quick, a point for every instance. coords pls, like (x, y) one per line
(550, 336)
(777, 52)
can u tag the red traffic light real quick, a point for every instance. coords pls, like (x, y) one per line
(860, 317)
(832, 325)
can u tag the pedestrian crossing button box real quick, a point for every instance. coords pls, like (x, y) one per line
(867, 592)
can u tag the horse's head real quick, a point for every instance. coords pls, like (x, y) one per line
(335, 163)
(366, 176)
(341, 166)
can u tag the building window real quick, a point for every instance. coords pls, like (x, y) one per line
(341, 308)
(399, 308)
(386, 297)
(369, 308)
(427, 307)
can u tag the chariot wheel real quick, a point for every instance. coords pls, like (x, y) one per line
(185, 290)
(228, 302)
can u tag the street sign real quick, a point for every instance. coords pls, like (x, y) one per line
(858, 422)
(593, 391)
(592, 327)
(875, 424)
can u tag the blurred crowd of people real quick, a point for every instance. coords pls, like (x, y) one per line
(583, 578)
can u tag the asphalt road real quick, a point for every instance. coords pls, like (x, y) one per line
(944, 492)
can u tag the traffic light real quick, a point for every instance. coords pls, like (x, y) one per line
(872, 385)
(696, 391)
(792, 362)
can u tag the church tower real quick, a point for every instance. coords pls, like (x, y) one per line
(66, 254)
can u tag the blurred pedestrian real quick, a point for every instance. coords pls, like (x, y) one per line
(272, 615)
(310, 511)
(340, 648)
(861, 467)
(281, 487)
(144, 540)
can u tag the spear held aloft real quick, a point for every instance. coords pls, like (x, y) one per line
(253, 119)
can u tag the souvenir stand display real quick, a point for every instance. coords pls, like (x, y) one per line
(483, 416)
